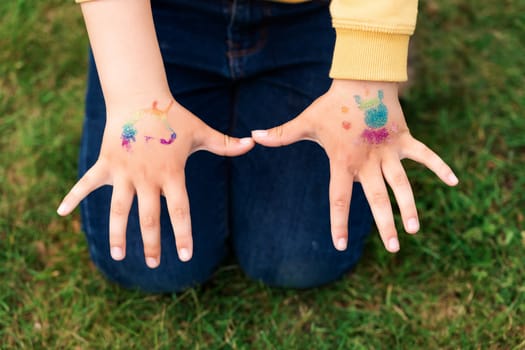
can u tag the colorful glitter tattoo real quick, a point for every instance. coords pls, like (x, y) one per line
(346, 125)
(129, 131)
(376, 116)
(128, 135)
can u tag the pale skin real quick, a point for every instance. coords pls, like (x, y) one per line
(151, 169)
(336, 123)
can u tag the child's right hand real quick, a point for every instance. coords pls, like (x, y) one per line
(145, 146)
(144, 151)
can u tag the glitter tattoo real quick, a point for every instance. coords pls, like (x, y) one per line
(346, 125)
(376, 116)
(129, 131)
(128, 135)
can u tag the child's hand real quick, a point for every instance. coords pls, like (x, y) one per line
(363, 131)
(144, 152)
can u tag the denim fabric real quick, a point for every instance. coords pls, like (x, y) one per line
(239, 65)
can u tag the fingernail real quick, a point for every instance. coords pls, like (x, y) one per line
(452, 179)
(184, 254)
(341, 244)
(393, 244)
(261, 133)
(413, 225)
(62, 209)
(151, 262)
(246, 140)
(117, 253)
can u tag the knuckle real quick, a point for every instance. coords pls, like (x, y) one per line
(149, 221)
(340, 204)
(226, 141)
(174, 172)
(151, 249)
(340, 159)
(183, 239)
(386, 228)
(170, 169)
(279, 130)
(339, 232)
(179, 213)
(118, 208)
(400, 180)
(352, 171)
(409, 211)
(145, 173)
(227, 145)
(379, 199)
(116, 237)
(339, 229)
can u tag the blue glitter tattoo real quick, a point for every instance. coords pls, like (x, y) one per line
(376, 113)
(376, 116)
(128, 135)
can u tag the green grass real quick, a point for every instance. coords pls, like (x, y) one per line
(459, 284)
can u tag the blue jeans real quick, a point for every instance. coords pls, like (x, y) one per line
(239, 65)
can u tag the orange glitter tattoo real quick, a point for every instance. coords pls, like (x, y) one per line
(161, 113)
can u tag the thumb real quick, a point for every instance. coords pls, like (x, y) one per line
(284, 134)
(222, 144)
(94, 178)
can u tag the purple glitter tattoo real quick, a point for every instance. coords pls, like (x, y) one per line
(375, 136)
(173, 136)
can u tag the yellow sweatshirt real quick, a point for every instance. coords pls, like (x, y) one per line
(372, 38)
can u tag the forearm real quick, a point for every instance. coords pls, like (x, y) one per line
(126, 50)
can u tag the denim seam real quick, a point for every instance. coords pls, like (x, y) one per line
(231, 63)
(234, 53)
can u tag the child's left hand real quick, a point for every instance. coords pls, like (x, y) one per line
(361, 126)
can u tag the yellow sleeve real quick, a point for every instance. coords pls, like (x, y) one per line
(372, 38)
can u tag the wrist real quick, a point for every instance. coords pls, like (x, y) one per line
(133, 87)
(343, 86)
(351, 84)
(122, 105)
